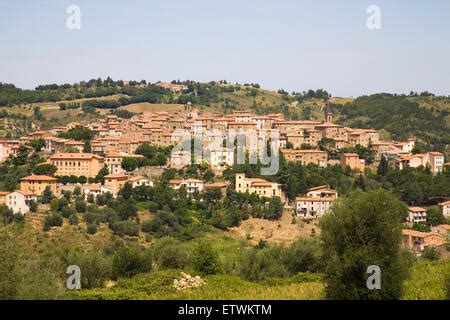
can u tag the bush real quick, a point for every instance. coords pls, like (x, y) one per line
(33, 206)
(304, 256)
(91, 228)
(129, 261)
(430, 253)
(80, 205)
(95, 268)
(73, 219)
(67, 212)
(128, 228)
(260, 264)
(205, 258)
(170, 253)
(53, 220)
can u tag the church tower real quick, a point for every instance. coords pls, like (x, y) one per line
(327, 114)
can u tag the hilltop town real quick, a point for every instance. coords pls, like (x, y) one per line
(260, 177)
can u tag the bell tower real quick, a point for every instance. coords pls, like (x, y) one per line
(327, 114)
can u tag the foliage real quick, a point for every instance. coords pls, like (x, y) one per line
(205, 258)
(360, 231)
(129, 261)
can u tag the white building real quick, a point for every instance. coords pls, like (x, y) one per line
(19, 201)
(416, 215)
(322, 191)
(138, 181)
(312, 207)
(191, 185)
(445, 208)
(220, 159)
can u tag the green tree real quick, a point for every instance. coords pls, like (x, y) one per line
(291, 188)
(95, 268)
(205, 258)
(435, 217)
(430, 253)
(360, 231)
(46, 169)
(129, 261)
(47, 195)
(129, 164)
(383, 167)
(87, 146)
(37, 144)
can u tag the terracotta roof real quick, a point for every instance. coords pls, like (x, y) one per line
(74, 156)
(311, 199)
(445, 203)
(38, 178)
(414, 233)
(216, 185)
(351, 154)
(445, 226)
(416, 209)
(26, 192)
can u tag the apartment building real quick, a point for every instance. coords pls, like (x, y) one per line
(78, 164)
(418, 241)
(433, 159)
(322, 192)
(220, 159)
(416, 215)
(353, 161)
(260, 187)
(38, 183)
(313, 207)
(445, 208)
(305, 157)
(191, 185)
(19, 201)
(115, 182)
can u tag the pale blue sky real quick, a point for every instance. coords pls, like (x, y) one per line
(295, 45)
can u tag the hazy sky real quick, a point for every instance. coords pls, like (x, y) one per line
(294, 45)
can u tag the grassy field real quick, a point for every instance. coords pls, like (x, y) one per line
(159, 286)
(427, 281)
(51, 109)
(152, 107)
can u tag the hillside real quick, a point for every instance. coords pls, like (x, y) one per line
(425, 118)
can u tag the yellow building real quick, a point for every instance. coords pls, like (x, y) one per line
(38, 183)
(260, 187)
(306, 156)
(77, 164)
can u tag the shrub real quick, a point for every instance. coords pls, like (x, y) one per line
(80, 205)
(205, 258)
(95, 268)
(73, 219)
(170, 253)
(53, 220)
(430, 253)
(91, 228)
(129, 261)
(67, 212)
(128, 228)
(259, 264)
(303, 256)
(33, 206)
